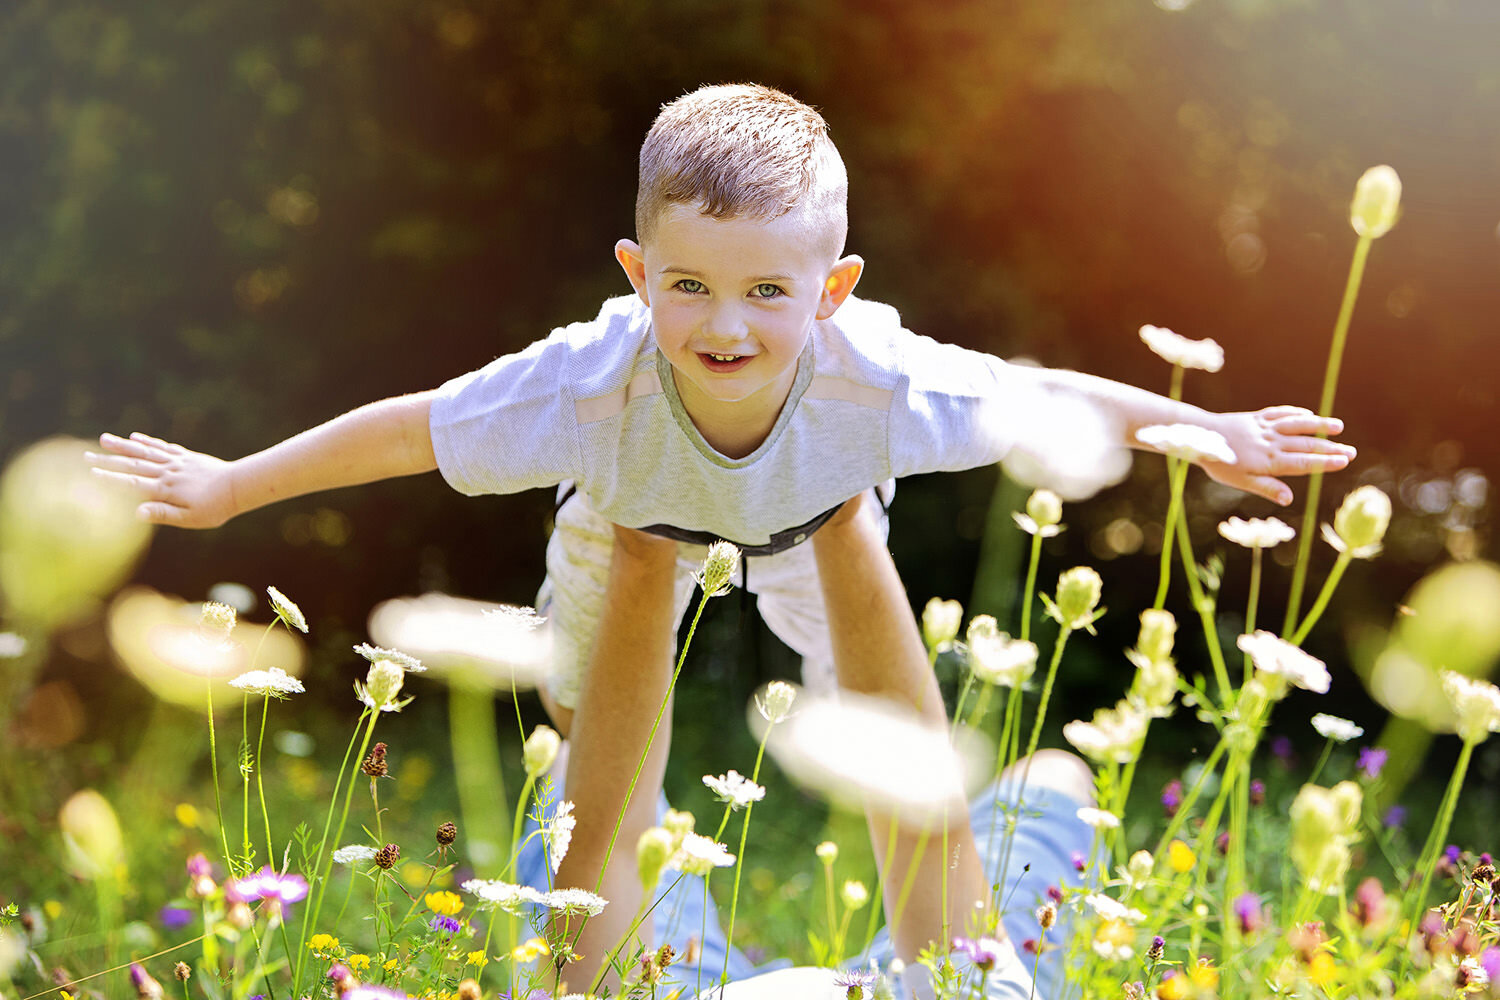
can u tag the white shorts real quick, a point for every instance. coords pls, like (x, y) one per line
(786, 586)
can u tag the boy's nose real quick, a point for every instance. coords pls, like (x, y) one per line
(727, 323)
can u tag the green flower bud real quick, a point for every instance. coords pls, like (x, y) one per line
(1158, 630)
(827, 852)
(1360, 523)
(1324, 824)
(1377, 201)
(651, 854)
(1044, 507)
(91, 834)
(776, 703)
(1078, 592)
(1140, 866)
(540, 750)
(940, 621)
(383, 683)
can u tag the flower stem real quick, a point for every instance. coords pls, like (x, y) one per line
(1322, 602)
(1440, 831)
(1253, 605)
(739, 866)
(1205, 610)
(213, 761)
(1030, 591)
(1325, 407)
(1177, 473)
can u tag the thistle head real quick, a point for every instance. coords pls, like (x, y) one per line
(718, 568)
(1078, 591)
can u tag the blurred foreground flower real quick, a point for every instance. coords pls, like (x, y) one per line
(1477, 705)
(159, 639)
(1062, 443)
(1258, 532)
(775, 702)
(91, 836)
(1273, 655)
(1173, 348)
(67, 537)
(540, 750)
(470, 643)
(861, 749)
(940, 623)
(1187, 442)
(1377, 202)
(1115, 735)
(996, 658)
(1325, 823)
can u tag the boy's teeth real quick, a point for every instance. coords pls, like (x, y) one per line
(725, 357)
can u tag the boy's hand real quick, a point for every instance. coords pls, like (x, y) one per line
(183, 488)
(1277, 441)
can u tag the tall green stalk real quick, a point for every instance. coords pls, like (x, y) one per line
(1325, 408)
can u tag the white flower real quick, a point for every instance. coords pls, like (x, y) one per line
(1334, 728)
(1205, 355)
(1188, 442)
(381, 686)
(940, 621)
(1258, 532)
(508, 896)
(1274, 655)
(217, 617)
(735, 789)
(540, 750)
(1112, 909)
(353, 854)
(775, 703)
(1099, 819)
(470, 643)
(699, 855)
(1477, 704)
(1043, 514)
(718, 568)
(996, 658)
(1360, 522)
(286, 610)
(11, 645)
(410, 664)
(573, 901)
(1078, 591)
(1114, 735)
(1377, 202)
(557, 833)
(273, 683)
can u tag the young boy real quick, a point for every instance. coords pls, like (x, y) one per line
(741, 393)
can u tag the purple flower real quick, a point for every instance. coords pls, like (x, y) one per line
(1080, 862)
(198, 866)
(1452, 853)
(267, 884)
(175, 918)
(1281, 747)
(1257, 792)
(1371, 760)
(1395, 816)
(984, 952)
(1491, 962)
(1247, 909)
(1171, 797)
(445, 924)
(372, 993)
(854, 982)
(146, 988)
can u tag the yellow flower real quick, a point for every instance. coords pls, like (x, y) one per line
(444, 902)
(1322, 970)
(187, 815)
(1181, 857)
(358, 962)
(52, 908)
(414, 872)
(532, 949)
(1175, 988)
(324, 944)
(477, 958)
(391, 965)
(1204, 975)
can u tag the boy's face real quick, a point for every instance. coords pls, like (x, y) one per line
(733, 302)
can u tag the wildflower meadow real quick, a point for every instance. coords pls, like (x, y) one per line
(294, 868)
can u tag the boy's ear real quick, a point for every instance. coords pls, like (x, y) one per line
(840, 283)
(633, 259)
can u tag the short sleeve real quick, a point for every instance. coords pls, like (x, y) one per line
(953, 409)
(510, 425)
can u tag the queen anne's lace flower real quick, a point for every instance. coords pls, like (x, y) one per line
(353, 854)
(507, 896)
(286, 610)
(1274, 655)
(1112, 909)
(1257, 532)
(1099, 819)
(1477, 704)
(273, 683)
(1205, 355)
(410, 664)
(1334, 728)
(573, 901)
(557, 832)
(1188, 442)
(735, 789)
(699, 855)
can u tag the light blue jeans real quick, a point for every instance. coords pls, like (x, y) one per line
(1049, 839)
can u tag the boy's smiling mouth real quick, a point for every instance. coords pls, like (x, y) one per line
(724, 362)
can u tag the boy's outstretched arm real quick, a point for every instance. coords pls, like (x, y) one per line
(1270, 443)
(188, 489)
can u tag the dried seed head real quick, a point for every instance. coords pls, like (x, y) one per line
(375, 765)
(1482, 874)
(182, 972)
(447, 834)
(664, 956)
(146, 988)
(387, 856)
(1046, 915)
(469, 990)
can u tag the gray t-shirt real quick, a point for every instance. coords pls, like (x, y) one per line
(594, 404)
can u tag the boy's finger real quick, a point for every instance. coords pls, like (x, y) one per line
(1270, 488)
(155, 442)
(123, 463)
(1318, 446)
(1308, 423)
(1302, 463)
(135, 482)
(160, 513)
(121, 446)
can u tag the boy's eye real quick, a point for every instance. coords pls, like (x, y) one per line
(766, 290)
(690, 285)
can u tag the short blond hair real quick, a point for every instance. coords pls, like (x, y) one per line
(743, 150)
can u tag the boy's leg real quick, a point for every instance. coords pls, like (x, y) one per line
(621, 691)
(877, 650)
